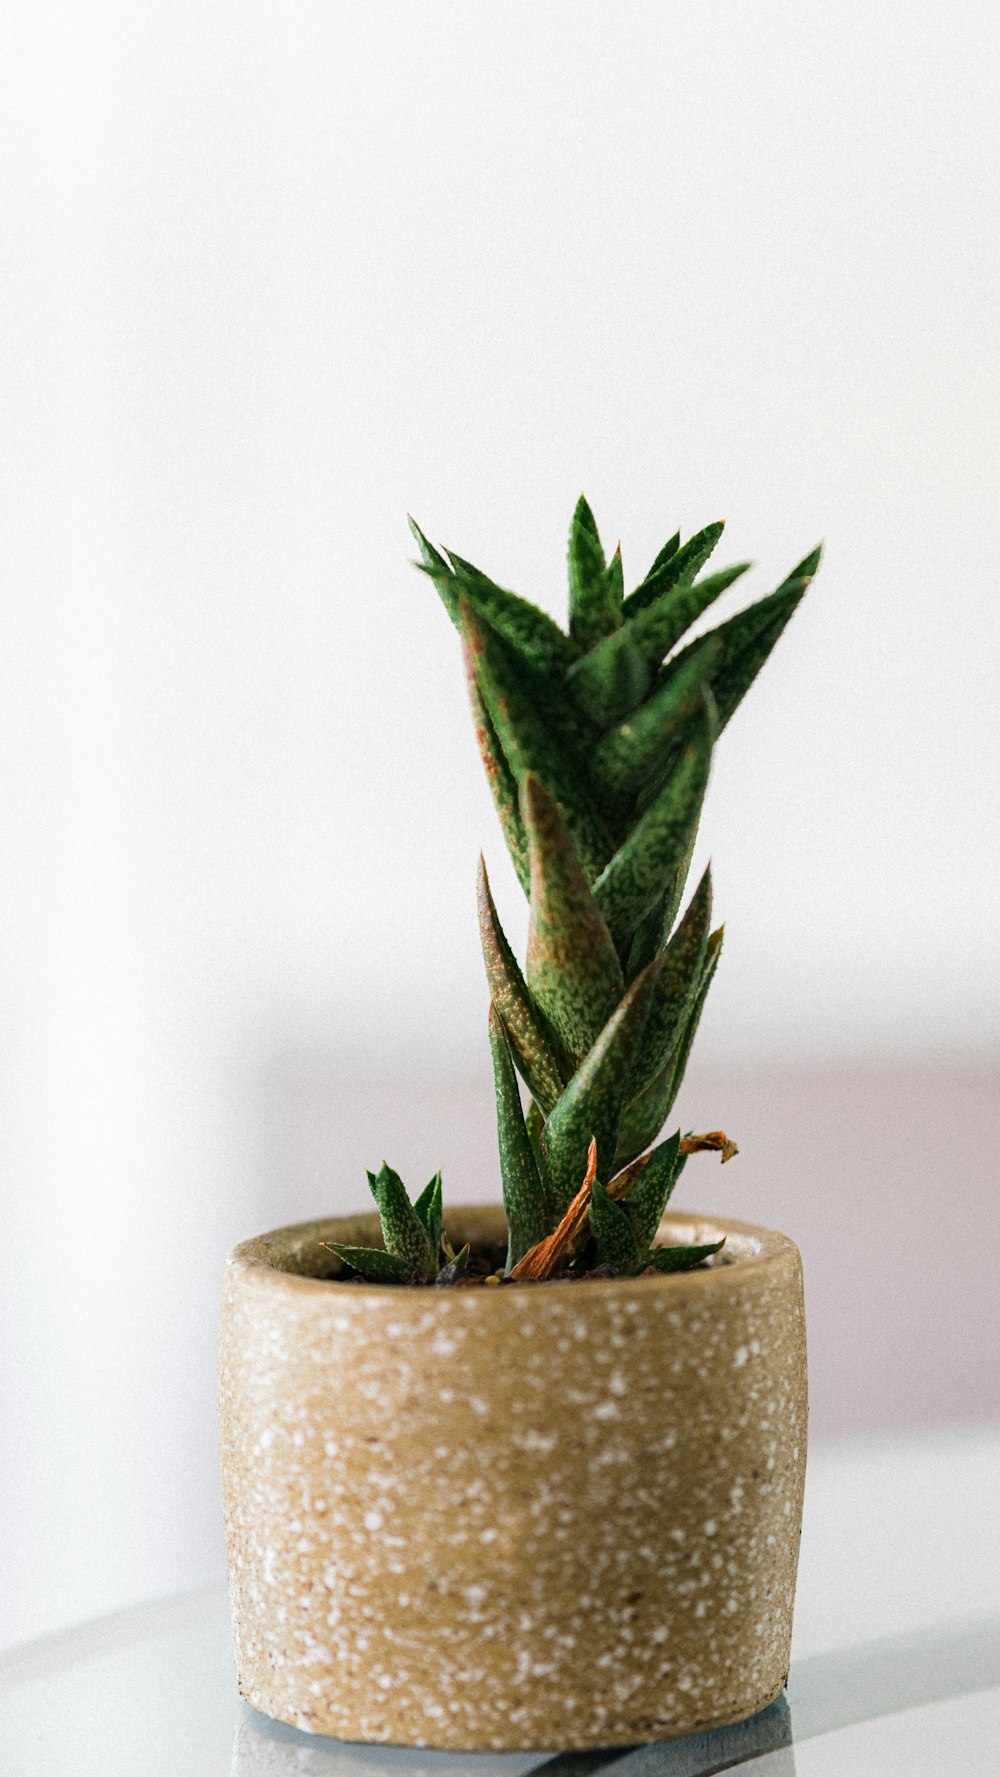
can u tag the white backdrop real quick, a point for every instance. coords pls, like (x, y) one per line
(275, 275)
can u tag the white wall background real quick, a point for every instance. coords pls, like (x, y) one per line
(275, 275)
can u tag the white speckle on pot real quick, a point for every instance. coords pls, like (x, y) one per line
(373, 1520)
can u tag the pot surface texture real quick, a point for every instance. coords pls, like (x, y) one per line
(560, 1515)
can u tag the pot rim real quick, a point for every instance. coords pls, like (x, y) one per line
(271, 1260)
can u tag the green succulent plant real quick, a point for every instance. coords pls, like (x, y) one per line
(597, 742)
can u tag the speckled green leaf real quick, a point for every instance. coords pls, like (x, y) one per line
(525, 718)
(644, 1117)
(402, 1230)
(371, 1263)
(525, 1197)
(534, 1053)
(534, 1123)
(592, 1104)
(612, 1229)
(659, 627)
(644, 864)
(746, 640)
(678, 568)
(530, 631)
(656, 926)
(427, 1208)
(713, 950)
(651, 1192)
(638, 751)
(573, 973)
(676, 986)
(609, 681)
(683, 1258)
(502, 782)
(594, 603)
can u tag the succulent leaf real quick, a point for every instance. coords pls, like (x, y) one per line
(524, 1189)
(574, 976)
(633, 880)
(676, 985)
(427, 1208)
(669, 548)
(371, 1263)
(650, 1194)
(658, 628)
(402, 1230)
(639, 749)
(644, 1117)
(595, 606)
(616, 579)
(530, 631)
(746, 640)
(610, 680)
(614, 1232)
(502, 782)
(526, 718)
(535, 1055)
(678, 568)
(683, 1258)
(592, 1104)
(713, 950)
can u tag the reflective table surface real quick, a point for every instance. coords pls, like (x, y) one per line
(896, 1664)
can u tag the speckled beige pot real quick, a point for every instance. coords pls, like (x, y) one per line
(561, 1515)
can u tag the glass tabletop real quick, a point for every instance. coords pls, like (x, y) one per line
(901, 1541)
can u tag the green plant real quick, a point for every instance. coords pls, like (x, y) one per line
(597, 744)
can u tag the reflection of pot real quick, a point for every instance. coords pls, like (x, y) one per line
(555, 1515)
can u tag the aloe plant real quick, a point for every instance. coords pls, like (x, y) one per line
(597, 742)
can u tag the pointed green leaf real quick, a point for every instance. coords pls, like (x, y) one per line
(594, 606)
(502, 782)
(713, 950)
(670, 548)
(678, 568)
(526, 719)
(651, 1192)
(746, 640)
(371, 1263)
(402, 1230)
(658, 628)
(609, 681)
(525, 1198)
(535, 1055)
(646, 1112)
(573, 973)
(616, 580)
(644, 1117)
(677, 983)
(683, 1258)
(614, 1233)
(530, 631)
(430, 558)
(428, 1209)
(644, 864)
(638, 751)
(656, 926)
(534, 1122)
(592, 1104)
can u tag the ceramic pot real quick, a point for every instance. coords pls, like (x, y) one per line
(560, 1515)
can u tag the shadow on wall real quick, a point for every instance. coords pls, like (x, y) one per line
(883, 1176)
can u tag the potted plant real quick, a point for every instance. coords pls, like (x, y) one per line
(533, 1479)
